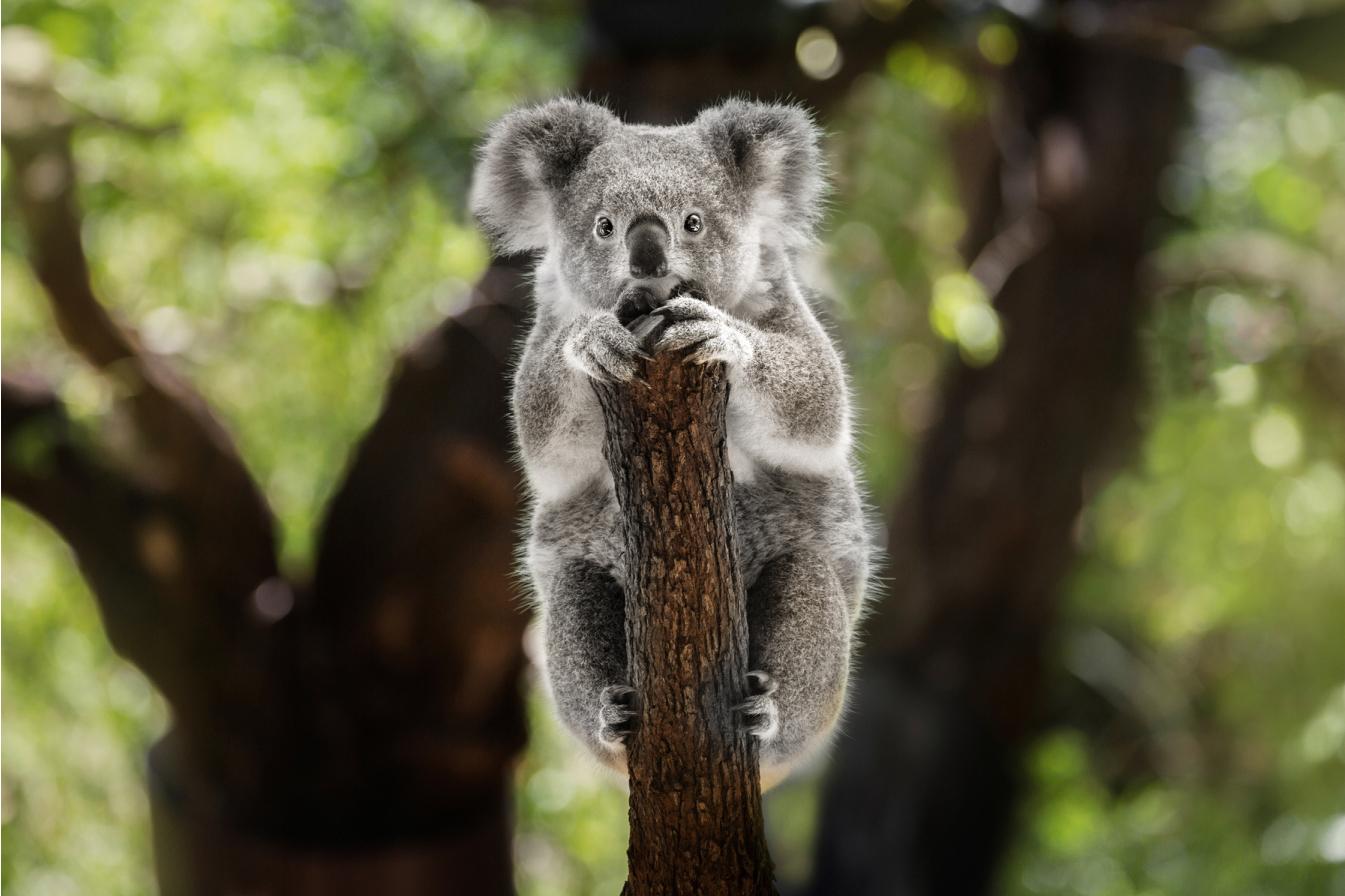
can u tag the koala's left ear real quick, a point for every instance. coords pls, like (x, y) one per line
(530, 154)
(773, 151)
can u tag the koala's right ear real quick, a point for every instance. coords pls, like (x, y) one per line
(529, 154)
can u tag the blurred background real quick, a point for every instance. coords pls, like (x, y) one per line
(1088, 267)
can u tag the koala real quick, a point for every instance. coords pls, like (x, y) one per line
(698, 225)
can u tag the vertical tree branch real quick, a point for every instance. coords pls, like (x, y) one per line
(924, 785)
(695, 794)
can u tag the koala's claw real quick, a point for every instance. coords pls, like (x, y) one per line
(617, 715)
(759, 714)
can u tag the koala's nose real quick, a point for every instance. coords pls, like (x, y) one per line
(647, 241)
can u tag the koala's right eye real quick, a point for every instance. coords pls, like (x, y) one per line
(604, 228)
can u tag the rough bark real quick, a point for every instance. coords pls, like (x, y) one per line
(695, 796)
(926, 780)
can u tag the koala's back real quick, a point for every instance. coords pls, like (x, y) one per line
(775, 514)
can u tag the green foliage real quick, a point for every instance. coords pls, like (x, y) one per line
(286, 212)
(1206, 617)
(572, 823)
(272, 196)
(77, 721)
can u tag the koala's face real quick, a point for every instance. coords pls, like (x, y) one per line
(614, 204)
(654, 206)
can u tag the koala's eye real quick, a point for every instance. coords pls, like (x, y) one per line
(604, 228)
(693, 223)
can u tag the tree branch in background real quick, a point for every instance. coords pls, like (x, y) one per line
(202, 531)
(924, 784)
(377, 710)
(114, 525)
(1262, 257)
(695, 794)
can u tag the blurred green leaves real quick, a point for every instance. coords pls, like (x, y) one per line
(273, 196)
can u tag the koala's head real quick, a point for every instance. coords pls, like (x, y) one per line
(614, 204)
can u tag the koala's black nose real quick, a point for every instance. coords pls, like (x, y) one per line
(647, 241)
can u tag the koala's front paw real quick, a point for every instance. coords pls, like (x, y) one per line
(618, 715)
(758, 714)
(601, 348)
(710, 334)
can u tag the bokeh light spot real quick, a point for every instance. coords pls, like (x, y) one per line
(885, 10)
(1236, 385)
(1332, 842)
(961, 313)
(818, 53)
(1276, 440)
(997, 43)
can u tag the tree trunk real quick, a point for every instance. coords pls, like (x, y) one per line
(355, 734)
(925, 780)
(695, 796)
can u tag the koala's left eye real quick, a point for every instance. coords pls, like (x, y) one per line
(693, 223)
(604, 227)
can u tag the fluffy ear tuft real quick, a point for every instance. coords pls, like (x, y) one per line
(774, 150)
(530, 153)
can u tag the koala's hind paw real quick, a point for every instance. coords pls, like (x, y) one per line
(758, 714)
(602, 349)
(618, 715)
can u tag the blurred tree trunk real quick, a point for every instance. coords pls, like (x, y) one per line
(350, 734)
(1061, 193)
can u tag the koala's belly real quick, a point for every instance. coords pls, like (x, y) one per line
(775, 514)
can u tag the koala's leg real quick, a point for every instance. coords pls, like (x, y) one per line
(799, 630)
(585, 631)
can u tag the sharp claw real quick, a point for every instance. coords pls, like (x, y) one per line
(618, 716)
(647, 326)
(762, 683)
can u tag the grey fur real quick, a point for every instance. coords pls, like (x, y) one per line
(753, 174)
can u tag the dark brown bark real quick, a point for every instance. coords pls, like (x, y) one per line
(352, 735)
(661, 62)
(695, 795)
(926, 780)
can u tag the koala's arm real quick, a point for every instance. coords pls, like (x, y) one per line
(788, 404)
(790, 400)
(556, 413)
